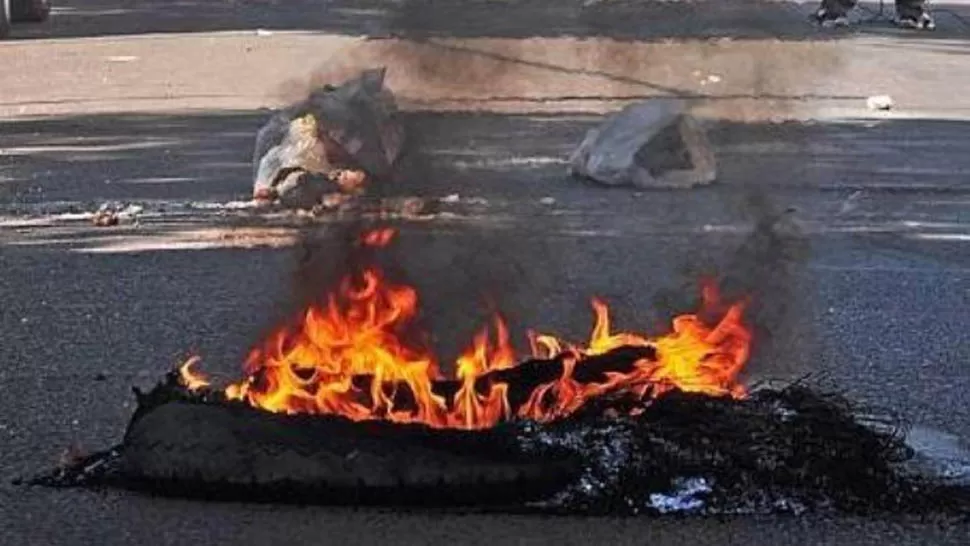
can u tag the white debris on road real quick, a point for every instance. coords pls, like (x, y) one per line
(454, 199)
(880, 102)
(228, 205)
(683, 498)
(113, 214)
(710, 79)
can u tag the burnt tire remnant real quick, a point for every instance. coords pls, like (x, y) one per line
(776, 450)
(232, 451)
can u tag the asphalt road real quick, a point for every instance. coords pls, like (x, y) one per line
(868, 295)
(425, 18)
(622, 19)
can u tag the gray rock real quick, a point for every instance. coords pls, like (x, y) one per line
(651, 144)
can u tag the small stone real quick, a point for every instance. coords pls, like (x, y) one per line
(548, 201)
(451, 199)
(72, 454)
(350, 180)
(413, 206)
(331, 201)
(105, 219)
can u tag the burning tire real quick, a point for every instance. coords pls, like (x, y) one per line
(228, 451)
(778, 451)
(29, 11)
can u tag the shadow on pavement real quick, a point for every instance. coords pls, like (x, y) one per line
(621, 19)
(144, 156)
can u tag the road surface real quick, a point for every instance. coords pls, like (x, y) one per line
(128, 102)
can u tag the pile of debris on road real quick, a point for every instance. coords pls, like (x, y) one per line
(323, 151)
(337, 141)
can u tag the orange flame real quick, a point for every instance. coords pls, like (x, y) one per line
(190, 378)
(352, 356)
